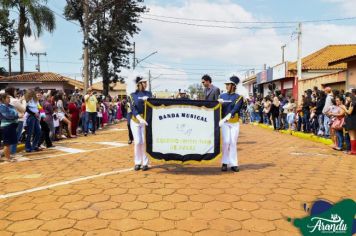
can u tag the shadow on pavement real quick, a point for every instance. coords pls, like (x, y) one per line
(176, 169)
(247, 142)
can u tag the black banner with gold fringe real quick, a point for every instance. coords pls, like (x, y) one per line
(183, 130)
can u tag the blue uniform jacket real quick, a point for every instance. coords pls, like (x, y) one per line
(232, 104)
(137, 104)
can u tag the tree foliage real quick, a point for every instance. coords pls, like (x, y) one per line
(34, 17)
(196, 89)
(8, 35)
(112, 25)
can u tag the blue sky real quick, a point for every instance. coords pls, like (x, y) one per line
(185, 53)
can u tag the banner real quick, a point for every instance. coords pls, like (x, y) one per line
(183, 130)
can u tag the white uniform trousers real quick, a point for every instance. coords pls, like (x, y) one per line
(138, 131)
(230, 134)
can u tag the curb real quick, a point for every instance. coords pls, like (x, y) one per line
(310, 137)
(21, 146)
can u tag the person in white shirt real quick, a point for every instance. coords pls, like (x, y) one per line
(328, 104)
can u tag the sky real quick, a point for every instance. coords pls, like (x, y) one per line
(186, 52)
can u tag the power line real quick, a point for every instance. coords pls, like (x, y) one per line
(196, 69)
(193, 64)
(61, 16)
(255, 22)
(218, 26)
(59, 62)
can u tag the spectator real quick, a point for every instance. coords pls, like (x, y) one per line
(8, 117)
(350, 121)
(328, 104)
(290, 107)
(20, 105)
(267, 110)
(48, 109)
(337, 115)
(275, 113)
(62, 117)
(320, 103)
(307, 104)
(32, 122)
(74, 115)
(91, 104)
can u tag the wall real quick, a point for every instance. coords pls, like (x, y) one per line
(21, 86)
(351, 75)
(320, 82)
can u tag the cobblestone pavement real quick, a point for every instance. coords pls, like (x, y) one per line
(86, 186)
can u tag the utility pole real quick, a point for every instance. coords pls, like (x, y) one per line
(299, 64)
(149, 80)
(283, 47)
(86, 49)
(134, 56)
(9, 51)
(37, 54)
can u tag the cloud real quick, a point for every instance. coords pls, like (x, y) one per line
(347, 7)
(206, 46)
(33, 44)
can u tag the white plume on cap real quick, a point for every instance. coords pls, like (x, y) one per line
(131, 82)
(131, 85)
(240, 89)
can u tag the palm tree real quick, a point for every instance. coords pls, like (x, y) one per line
(33, 18)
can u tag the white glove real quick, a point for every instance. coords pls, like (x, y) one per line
(226, 118)
(141, 120)
(144, 98)
(220, 100)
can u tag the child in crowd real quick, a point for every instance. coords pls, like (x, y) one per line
(100, 116)
(56, 123)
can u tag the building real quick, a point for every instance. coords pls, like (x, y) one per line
(317, 70)
(116, 89)
(350, 73)
(275, 79)
(43, 80)
(250, 83)
(325, 67)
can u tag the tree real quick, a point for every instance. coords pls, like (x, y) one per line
(196, 89)
(111, 26)
(8, 36)
(2, 71)
(33, 19)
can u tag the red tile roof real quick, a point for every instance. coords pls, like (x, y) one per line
(320, 60)
(343, 60)
(35, 77)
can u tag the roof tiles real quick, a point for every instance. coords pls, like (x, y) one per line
(319, 60)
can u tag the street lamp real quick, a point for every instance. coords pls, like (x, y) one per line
(136, 61)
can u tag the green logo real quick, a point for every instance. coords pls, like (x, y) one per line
(328, 219)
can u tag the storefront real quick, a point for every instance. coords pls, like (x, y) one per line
(274, 80)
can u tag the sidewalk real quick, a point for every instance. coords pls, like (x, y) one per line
(302, 135)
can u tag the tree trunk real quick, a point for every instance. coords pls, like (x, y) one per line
(21, 32)
(9, 54)
(106, 79)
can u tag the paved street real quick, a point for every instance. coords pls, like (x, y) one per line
(86, 187)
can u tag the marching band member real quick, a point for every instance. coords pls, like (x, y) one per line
(231, 105)
(137, 123)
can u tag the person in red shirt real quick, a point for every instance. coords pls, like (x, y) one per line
(83, 115)
(74, 115)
